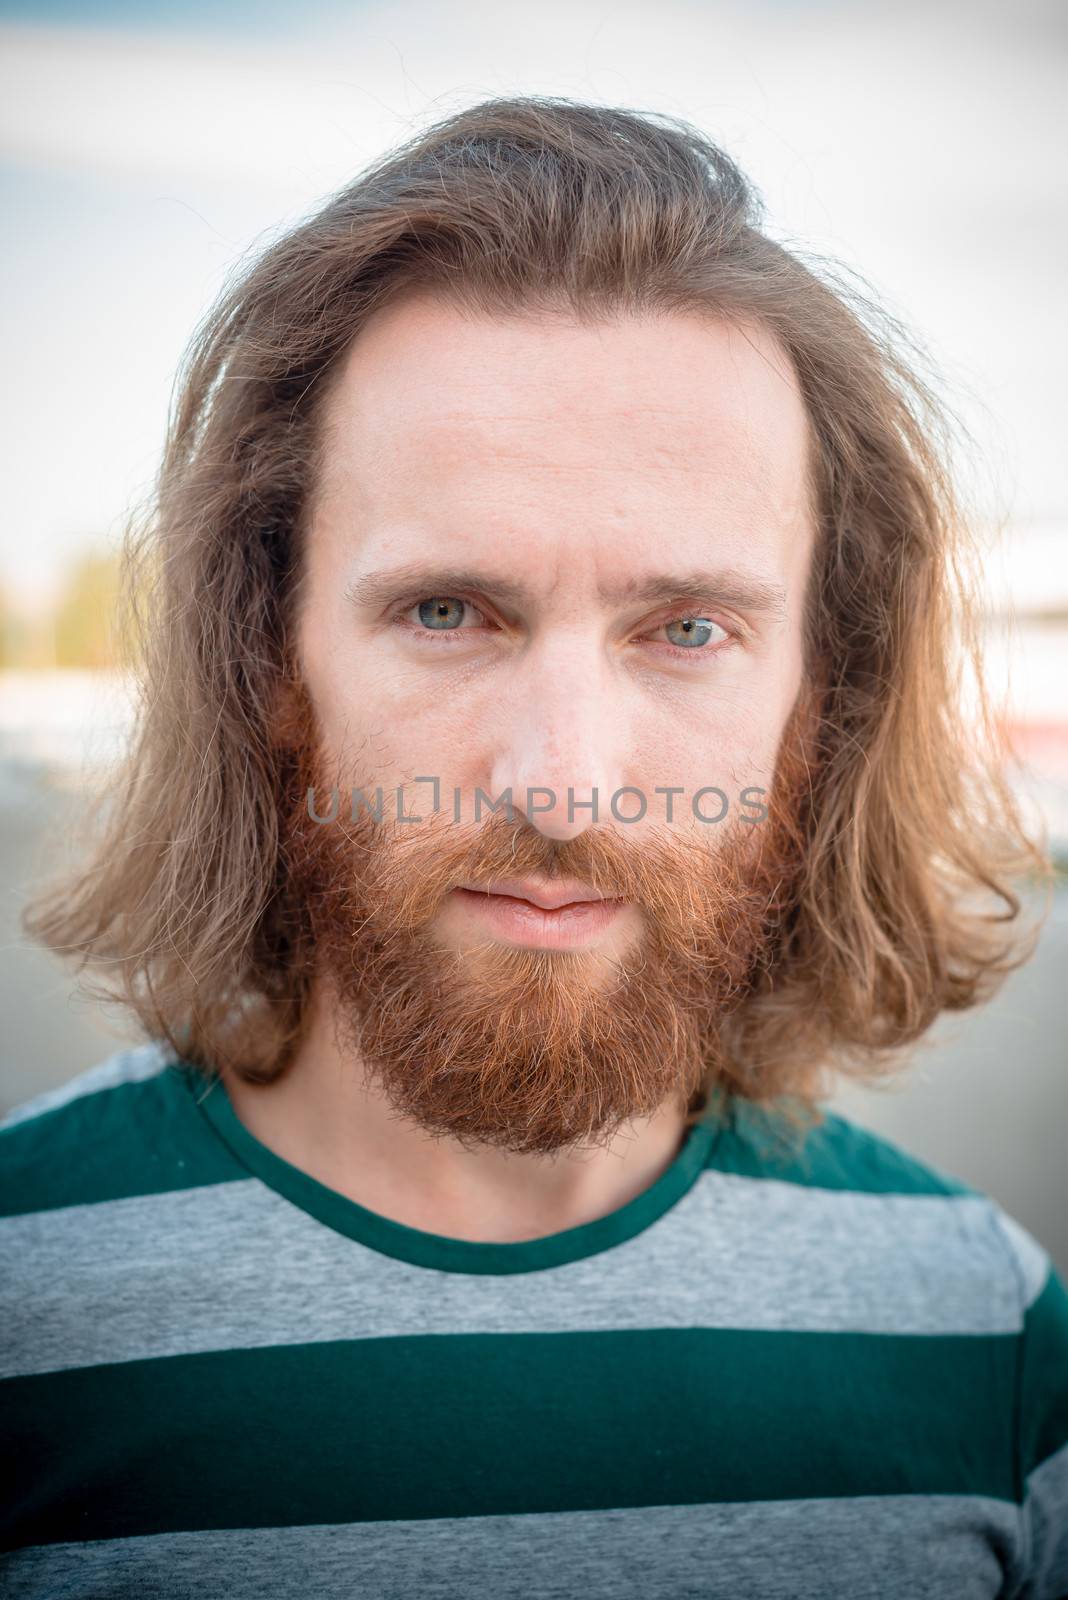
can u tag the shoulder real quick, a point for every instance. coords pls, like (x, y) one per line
(845, 1155)
(132, 1064)
(942, 1254)
(128, 1126)
(835, 1153)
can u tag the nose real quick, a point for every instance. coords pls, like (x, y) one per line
(561, 751)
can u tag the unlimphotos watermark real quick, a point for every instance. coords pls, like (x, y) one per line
(709, 804)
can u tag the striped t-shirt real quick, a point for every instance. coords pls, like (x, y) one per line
(832, 1373)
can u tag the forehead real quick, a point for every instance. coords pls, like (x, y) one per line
(633, 426)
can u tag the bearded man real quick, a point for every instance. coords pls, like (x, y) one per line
(549, 779)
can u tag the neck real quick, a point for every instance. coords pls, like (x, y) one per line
(322, 1117)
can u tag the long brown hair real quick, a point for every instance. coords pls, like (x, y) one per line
(912, 839)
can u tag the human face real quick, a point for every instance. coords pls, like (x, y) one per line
(560, 467)
(503, 571)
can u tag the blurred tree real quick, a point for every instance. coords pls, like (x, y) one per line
(86, 617)
(7, 629)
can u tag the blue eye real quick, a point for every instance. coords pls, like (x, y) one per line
(442, 612)
(445, 616)
(692, 631)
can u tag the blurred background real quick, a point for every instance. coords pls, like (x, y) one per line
(147, 151)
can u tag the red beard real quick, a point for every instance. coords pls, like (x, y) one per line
(535, 1050)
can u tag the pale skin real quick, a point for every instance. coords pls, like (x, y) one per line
(559, 460)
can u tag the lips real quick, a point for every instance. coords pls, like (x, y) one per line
(514, 919)
(548, 896)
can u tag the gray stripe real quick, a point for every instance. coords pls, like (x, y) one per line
(125, 1066)
(235, 1264)
(1046, 1509)
(1031, 1260)
(889, 1548)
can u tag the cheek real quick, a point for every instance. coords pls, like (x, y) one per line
(726, 742)
(439, 735)
(376, 719)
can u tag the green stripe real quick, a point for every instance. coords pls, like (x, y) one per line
(133, 1139)
(837, 1154)
(476, 1424)
(1044, 1376)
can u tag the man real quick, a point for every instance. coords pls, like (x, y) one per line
(548, 779)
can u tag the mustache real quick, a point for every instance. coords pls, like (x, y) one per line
(697, 901)
(394, 878)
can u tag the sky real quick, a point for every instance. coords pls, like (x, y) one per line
(146, 152)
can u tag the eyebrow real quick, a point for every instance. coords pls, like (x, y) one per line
(727, 585)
